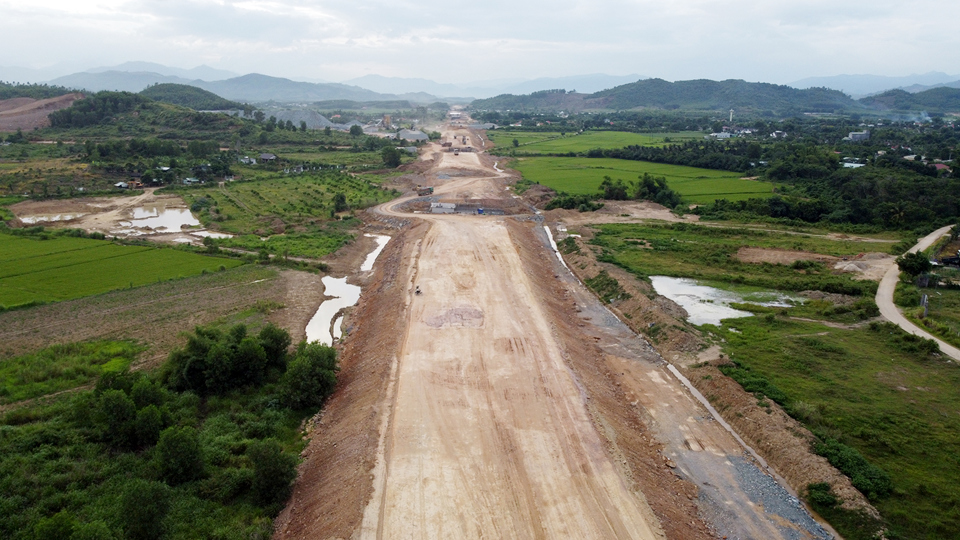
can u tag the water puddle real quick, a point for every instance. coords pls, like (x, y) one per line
(709, 305)
(209, 234)
(49, 218)
(372, 256)
(345, 295)
(169, 219)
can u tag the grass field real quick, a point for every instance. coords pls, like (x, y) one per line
(554, 143)
(36, 270)
(697, 251)
(869, 389)
(583, 176)
(294, 213)
(347, 159)
(62, 367)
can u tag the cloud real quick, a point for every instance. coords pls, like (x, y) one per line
(768, 40)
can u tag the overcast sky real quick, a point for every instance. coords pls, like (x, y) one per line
(758, 40)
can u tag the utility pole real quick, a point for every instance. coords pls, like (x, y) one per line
(731, 116)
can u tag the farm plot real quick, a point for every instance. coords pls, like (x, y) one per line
(584, 175)
(35, 270)
(554, 143)
(295, 214)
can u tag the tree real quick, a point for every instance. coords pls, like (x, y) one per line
(914, 264)
(143, 506)
(516, 143)
(60, 525)
(303, 125)
(275, 342)
(147, 426)
(339, 202)
(115, 416)
(259, 116)
(273, 471)
(391, 156)
(178, 455)
(310, 377)
(327, 131)
(356, 131)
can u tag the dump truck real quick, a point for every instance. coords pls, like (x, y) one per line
(422, 191)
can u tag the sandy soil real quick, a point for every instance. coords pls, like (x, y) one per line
(110, 215)
(28, 113)
(505, 401)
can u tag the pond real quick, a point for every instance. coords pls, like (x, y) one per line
(372, 256)
(170, 219)
(709, 305)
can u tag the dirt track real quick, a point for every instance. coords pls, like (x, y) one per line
(503, 413)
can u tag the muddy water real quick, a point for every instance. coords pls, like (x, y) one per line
(170, 219)
(709, 305)
(372, 256)
(346, 295)
(48, 218)
(208, 234)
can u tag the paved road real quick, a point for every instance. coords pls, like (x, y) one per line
(885, 296)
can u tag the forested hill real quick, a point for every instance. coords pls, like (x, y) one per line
(943, 100)
(35, 91)
(683, 95)
(703, 94)
(189, 96)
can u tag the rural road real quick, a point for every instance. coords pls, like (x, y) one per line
(888, 284)
(487, 430)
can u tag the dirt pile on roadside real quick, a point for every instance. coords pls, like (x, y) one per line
(777, 437)
(631, 444)
(780, 439)
(335, 479)
(28, 113)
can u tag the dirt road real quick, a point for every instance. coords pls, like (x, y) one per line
(505, 413)
(888, 284)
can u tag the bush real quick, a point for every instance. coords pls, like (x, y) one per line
(914, 263)
(214, 362)
(819, 495)
(273, 472)
(115, 417)
(871, 480)
(143, 506)
(178, 455)
(310, 377)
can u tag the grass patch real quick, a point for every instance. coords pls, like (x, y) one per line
(584, 175)
(606, 287)
(46, 269)
(554, 143)
(884, 407)
(62, 367)
(702, 252)
(298, 215)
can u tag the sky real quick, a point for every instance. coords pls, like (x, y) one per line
(777, 41)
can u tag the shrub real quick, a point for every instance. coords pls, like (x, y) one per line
(310, 377)
(273, 471)
(115, 417)
(143, 506)
(871, 480)
(178, 455)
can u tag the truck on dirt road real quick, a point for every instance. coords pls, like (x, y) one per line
(424, 190)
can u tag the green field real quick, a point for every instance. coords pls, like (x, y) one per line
(554, 143)
(583, 176)
(61, 367)
(709, 253)
(294, 213)
(872, 388)
(345, 158)
(37, 270)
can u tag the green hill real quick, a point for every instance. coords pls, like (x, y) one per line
(189, 96)
(697, 95)
(942, 100)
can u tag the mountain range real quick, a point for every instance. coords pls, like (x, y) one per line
(858, 86)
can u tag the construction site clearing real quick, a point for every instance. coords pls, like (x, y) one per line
(496, 396)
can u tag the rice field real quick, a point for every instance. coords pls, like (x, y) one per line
(555, 143)
(37, 270)
(584, 175)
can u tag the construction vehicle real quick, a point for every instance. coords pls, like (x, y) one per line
(456, 151)
(424, 190)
